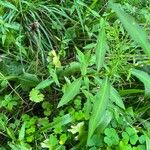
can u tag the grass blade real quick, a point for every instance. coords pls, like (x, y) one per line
(71, 91)
(101, 47)
(143, 77)
(100, 105)
(133, 29)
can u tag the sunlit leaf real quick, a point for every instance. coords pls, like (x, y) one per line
(36, 96)
(71, 91)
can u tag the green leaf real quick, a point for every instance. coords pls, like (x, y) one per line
(104, 122)
(134, 30)
(143, 77)
(147, 141)
(101, 47)
(116, 98)
(114, 95)
(44, 84)
(71, 91)
(88, 104)
(132, 135)
(11, 134)
(28, 80)
(134, 139)
(142, 139)
(36, 96)
(125, 137)
(61, 121)
(100, 105)
(22, 132)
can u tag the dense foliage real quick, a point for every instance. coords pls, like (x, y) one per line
(74, 75)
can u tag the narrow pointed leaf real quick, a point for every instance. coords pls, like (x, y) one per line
(116, 98)
(22, 132)
(100, 105)
(101, 47)
(133, 29)
(143, 77)
(65, 119)
(71, 91)
(44, 84)
(114, 95)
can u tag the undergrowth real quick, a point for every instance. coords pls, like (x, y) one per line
(74, 75)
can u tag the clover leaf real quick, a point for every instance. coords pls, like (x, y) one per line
(132, 135)
(111, 137)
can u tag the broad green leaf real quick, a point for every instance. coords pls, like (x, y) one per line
(134, 30)
(22, 132)
(143, 77)
(104, 122)
(71, 91)
(114, 95)
(100, 105)
(101, 47)
(44, 84)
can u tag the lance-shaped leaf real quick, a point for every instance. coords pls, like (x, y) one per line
(143, 77)
(114, 95)
(43, 84)
(22, 132)
(116, 98)
(99, 108)
(134, 30)
(65, 119)
(71, 91)
(101, 47)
